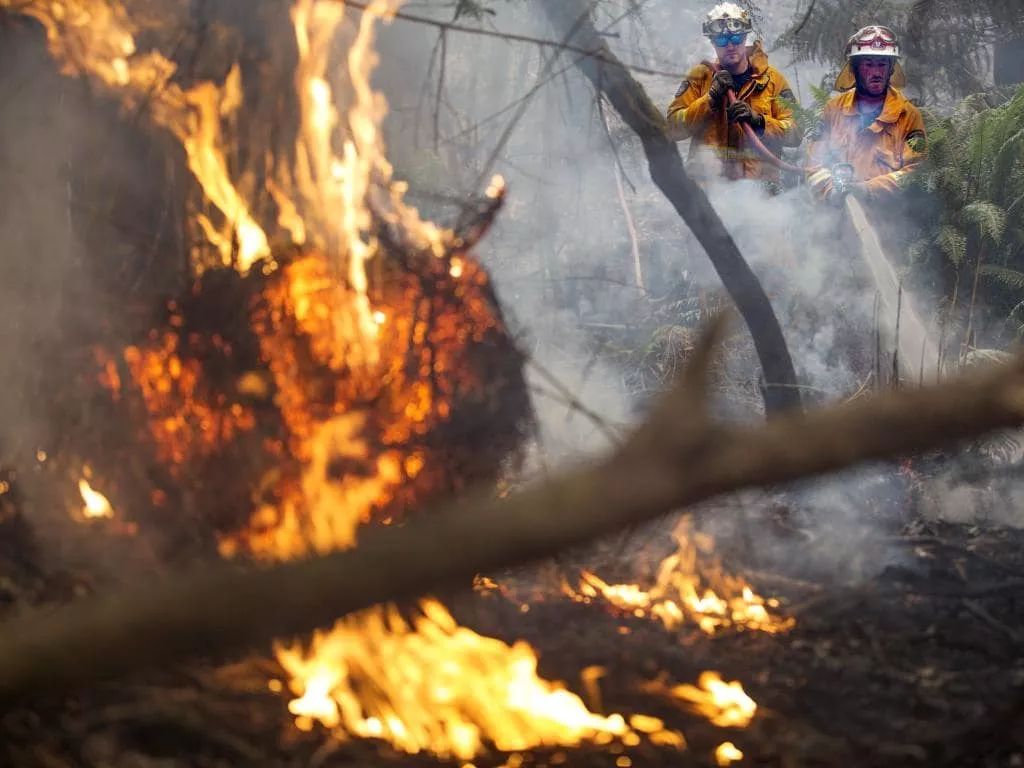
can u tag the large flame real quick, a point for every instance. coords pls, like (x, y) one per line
(98, 39)
(691, 585)
(423, 683)
(430, 684)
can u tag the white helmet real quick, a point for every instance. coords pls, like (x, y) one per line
(727, 18)
(875, 40)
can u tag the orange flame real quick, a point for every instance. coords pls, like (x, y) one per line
(726, 705)
(727, 754)
(424, 684)
(434, 685)
(689, 587)
(98, 39)
(183, 420)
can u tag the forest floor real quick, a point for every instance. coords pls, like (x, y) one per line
(918, 664)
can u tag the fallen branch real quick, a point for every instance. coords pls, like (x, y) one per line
(677, 458)
(612, 79)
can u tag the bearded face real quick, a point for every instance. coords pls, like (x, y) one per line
(873, 74)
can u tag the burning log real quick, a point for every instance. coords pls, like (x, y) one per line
(678, 457)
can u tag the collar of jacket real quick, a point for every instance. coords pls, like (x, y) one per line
(893, 108)
(758, 61)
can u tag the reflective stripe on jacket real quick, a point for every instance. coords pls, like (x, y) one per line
(690, 116)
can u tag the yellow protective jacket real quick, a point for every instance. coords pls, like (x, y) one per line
(882, 153)
(690, 116)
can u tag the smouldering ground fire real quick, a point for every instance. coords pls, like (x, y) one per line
(691, 585)
(330, 344)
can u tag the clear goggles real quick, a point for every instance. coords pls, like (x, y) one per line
(876, 39)
(718, 27)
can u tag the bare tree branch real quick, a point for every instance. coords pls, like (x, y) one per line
(677, 458)
(450, 26)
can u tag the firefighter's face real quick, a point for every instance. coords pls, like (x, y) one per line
(733, 49)
(873, 73)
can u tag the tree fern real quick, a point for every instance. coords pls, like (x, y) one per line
(968, 197)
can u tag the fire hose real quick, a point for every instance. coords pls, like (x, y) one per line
(761, 149)
(841, 173)
(755, 140)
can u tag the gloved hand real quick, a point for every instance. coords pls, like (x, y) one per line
(821, 185)
(741, 112)
(721, 84)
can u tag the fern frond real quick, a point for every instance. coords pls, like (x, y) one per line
(1008, 278)
(988, 218)
(953, 243)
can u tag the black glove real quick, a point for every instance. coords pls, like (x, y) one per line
(721, 84)
(741, 112)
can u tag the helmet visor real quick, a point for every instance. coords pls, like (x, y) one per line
(717, 27)
(874, 41)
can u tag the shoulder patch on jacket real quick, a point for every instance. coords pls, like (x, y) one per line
(683, 88)
(787, 95)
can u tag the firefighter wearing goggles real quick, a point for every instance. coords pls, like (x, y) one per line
(870, 126)
(704, 111)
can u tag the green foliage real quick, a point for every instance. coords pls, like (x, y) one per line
(968, 196)
(809, 117)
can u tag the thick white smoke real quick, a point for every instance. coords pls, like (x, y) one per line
(561, 254)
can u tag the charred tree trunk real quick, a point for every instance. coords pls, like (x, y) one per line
(630, 100)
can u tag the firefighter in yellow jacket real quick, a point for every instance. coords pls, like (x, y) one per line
(870, 130)
(702, 110)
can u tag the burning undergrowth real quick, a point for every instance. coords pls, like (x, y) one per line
(246, 398)
(329, 361)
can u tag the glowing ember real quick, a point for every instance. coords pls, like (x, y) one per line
(96, 504)
(433, 685)
(724, 704)
(184, 421)
(727, 754)
(691, 585)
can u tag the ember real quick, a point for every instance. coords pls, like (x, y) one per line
(96, 504)
(725, 704)
(727, 754)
